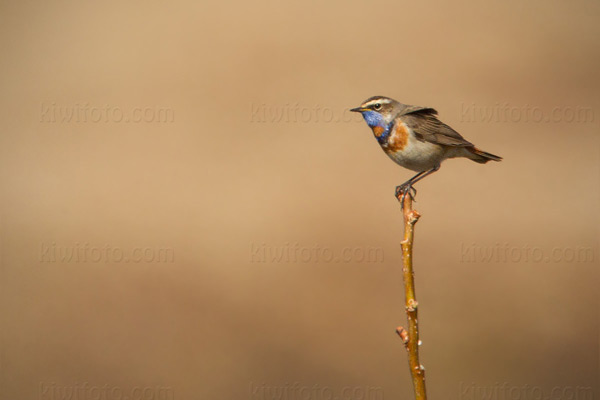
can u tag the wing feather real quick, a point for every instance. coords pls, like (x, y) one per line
(427, 127)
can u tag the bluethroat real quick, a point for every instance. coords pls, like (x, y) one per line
(415, 138)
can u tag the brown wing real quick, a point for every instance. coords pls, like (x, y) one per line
(428, 128)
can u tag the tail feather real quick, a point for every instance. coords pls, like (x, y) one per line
(481, 156)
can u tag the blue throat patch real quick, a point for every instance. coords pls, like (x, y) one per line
(374, 119)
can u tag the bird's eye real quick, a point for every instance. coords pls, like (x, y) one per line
(377, 106)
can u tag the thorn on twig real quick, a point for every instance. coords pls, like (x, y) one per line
(403, 334)
(414, 216)
(412, 305)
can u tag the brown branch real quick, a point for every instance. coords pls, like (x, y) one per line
(411, 337)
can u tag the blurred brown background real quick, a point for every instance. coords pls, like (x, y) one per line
(188, 211)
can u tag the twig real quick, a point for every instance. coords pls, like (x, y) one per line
(411, 337)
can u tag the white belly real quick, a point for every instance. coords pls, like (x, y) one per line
(417, 155)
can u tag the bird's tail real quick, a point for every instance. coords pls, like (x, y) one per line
(481, 156)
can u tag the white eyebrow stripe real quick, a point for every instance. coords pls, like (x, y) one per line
(375, 101)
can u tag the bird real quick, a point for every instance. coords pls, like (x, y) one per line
(414, 138)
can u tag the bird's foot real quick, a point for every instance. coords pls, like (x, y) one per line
(403, 190)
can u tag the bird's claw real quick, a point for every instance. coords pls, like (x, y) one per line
(403, 190)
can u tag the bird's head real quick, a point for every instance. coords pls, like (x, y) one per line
(378, 111)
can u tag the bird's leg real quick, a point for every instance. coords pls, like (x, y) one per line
(422, 175)
(407, 187)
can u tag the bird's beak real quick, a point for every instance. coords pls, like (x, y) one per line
(358, 109)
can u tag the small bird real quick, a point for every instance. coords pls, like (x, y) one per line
(415, 138)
